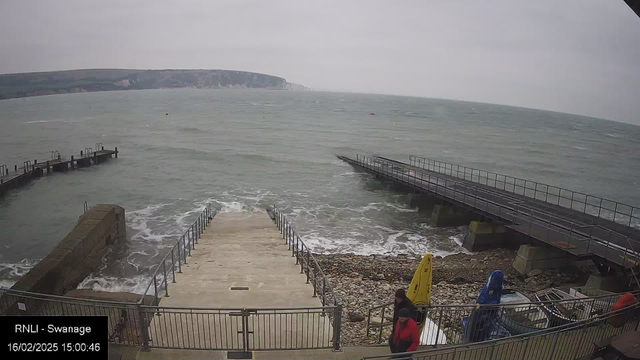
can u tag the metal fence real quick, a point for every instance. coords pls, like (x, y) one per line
(127, 322)
(575, 238)
(566, 342)
(306, 260)
(173, 260)
(594, 205)
(244, 329)
(457, 324)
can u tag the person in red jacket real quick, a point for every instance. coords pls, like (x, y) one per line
(405, 337)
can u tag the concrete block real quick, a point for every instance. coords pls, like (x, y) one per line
(79, 253)
(533, 257)
(447, 215)
(423, 202)
(484, 235)
(611, 283)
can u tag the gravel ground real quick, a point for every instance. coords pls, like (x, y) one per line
(362, 282)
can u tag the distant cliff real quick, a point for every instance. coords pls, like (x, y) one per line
(74, 81)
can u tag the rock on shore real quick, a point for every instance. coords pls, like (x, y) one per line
(362, 282)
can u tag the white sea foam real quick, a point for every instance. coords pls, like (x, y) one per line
(615, 135)
(137, 284)
(39, 121)
(17, 269)
(7, 283)
(139, 220)
(350, 173)
(579, 147)
(389, 242)
(11, 272)
(399, 208)
(458, 239)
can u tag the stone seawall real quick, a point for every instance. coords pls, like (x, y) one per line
(79, 253)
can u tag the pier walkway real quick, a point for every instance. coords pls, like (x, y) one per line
(19, 176)
(241, 290)
(613, 241)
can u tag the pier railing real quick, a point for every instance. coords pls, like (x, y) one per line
(308, 263)
(572, 237)
(593, 205)
(567, 342)
(165, 271)
(445, 324)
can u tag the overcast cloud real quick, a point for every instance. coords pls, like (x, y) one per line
(576, 56)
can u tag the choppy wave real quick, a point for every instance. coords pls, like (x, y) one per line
(326, 227)
(137, 284)
(11, 272)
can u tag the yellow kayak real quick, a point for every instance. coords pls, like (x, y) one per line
(419, 291)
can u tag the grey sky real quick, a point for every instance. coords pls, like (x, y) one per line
(577, 56)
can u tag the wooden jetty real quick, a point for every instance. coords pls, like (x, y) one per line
(30, 170)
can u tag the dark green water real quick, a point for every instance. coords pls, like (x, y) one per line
(241, 149)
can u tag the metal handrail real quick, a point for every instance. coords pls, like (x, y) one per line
(539, 188)
(308, 263)
(500, 211)
(504, 345)
(66, 299)
(187, 242)
(569, 304)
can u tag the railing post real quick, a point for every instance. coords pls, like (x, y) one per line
(179, 259)
(324, 283)
(295, 249)
(155, 289)
(300, 259)
(173, 267)
(381, 322)
(314, 279)
(308, 267)
(599, 207)
(438, 329)
(184, 247)
(166, 284)
(198, 225)
(337, 327)
(291, 233)
(144, 330)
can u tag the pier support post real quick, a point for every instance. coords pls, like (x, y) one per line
(116, 148)
(484, 235)
(447, 215)
(612, 282)
(423, 202)
(72, 164)
(533, 257)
